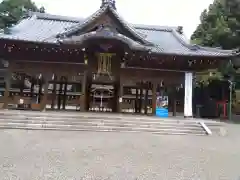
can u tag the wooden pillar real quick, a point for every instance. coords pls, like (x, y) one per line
(114, 100)
(40, 85)
(83, 98)
(8, 77)
(65, 92)
(22, 85)
(32, 87)
(60, 93)
(136, 101)
(54, 91)
(146, 100)
(120, 97)
(154, 97)
(140, 98)
(45, 95)
(174, 103)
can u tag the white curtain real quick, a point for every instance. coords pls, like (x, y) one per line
(188, 95)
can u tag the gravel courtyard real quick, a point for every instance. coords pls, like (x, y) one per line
(54, 155)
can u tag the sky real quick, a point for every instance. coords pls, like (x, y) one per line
(184, 13)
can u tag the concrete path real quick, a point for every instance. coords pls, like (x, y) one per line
(48, 155)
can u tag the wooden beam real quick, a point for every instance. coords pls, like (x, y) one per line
(8, 77)
(146, 101)
(154, 97)
(83, 98)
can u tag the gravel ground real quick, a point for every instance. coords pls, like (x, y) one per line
(54, 155)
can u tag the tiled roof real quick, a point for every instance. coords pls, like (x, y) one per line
(101, 11)
(41, 27)
(168, 41)
(116, 36)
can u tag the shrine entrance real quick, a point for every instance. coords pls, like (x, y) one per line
(102, 98)
(103, 84)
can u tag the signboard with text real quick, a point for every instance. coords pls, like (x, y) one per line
(162, 106)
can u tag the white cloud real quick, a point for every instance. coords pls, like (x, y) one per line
(154, 12)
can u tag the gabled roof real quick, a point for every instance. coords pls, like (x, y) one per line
(42, 27)
(101, 34)
(107, 7)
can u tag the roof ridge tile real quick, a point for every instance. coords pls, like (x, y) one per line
(47, 16)
(153, 27)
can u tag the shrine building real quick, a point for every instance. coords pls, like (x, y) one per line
(101, 63)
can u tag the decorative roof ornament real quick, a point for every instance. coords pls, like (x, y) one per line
(109, 3)
(42, 10)
(180, 29)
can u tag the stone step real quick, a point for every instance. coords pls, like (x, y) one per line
(80, 117)
(99, 128)
(170, 122)
(147, 121)
(94, 116)
(101, 122)
(104, 123)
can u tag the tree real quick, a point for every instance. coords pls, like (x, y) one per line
(12, 10)
(220, 25)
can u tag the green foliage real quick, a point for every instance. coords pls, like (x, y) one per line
(220, 25)
(12, 10)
